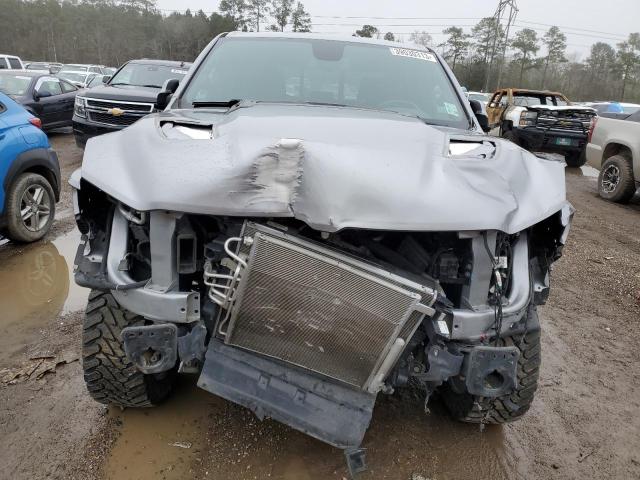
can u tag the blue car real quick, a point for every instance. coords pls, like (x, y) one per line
(29, 175)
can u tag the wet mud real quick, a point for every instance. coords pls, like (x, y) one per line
(36, 287)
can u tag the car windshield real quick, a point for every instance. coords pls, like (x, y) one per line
(17, 85)
(95, 81)
(74, 68)
(397, 79)
(38, 66)
(79, 77)
(147, 75)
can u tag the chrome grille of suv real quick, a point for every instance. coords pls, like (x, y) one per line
(101, 111)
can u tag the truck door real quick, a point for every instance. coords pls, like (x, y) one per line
(496, 107)
(49, 96)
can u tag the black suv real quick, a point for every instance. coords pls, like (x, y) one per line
(126, 97)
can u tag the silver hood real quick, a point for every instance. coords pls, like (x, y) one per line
(330, 167)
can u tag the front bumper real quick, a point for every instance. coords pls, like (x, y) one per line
(546, 140)
(83, 130)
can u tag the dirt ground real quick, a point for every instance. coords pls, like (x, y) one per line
(584, 422)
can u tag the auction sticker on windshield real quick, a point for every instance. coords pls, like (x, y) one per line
(181, 72)
(406, 52)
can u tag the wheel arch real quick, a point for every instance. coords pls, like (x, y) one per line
(616, 148)
(42, 161)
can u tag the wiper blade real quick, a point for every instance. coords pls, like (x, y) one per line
(227, 104)
(152, 86)
(119, 83)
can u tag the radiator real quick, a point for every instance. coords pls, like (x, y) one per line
(316, 308)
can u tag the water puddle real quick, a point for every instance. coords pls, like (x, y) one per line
(196, 435)
(164, 442)
(36, 286)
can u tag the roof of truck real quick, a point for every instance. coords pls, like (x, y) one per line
(526, 90)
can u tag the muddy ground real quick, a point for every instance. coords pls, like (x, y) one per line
(585, 421)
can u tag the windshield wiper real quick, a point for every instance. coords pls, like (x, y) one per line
(119, 83)
(227, 104)
(150, 86)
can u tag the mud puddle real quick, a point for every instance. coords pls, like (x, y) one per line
(36, 286)
(197, 435)
(165, 442)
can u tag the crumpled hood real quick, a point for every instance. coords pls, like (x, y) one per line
(331, 167)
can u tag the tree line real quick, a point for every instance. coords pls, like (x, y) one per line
(534, 61)
(110, 32)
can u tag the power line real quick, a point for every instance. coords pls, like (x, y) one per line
(567, 29)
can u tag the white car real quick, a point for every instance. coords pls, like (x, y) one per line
(79, 67)
(79, 79)
(481, 97)
(10, 62)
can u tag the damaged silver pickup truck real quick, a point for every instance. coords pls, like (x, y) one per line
(312, 223)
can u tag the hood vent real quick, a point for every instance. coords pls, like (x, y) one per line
(462, 148)
(190, 131)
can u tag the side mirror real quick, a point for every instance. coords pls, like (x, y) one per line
(106, 78)
(482, 118)
(168, 89)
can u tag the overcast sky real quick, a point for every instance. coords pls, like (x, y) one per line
(585, 21)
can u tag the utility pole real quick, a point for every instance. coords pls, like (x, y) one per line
(499, 16)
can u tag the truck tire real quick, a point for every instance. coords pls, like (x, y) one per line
(575, 159)
(31, 208)
(469, 408)
(110, 376)
(616, 182)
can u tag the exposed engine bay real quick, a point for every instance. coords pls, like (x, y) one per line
(302, 325)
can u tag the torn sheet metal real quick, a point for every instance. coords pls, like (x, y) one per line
(331, 167)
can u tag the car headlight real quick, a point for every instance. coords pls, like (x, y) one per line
(528, 119)
(80, 107)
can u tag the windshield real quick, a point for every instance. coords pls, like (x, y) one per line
(95, 81)
(73, 76)
(410, 82)
(529, 99)
(17, 85)
(38, 66)
(74, 68)
(147, 75)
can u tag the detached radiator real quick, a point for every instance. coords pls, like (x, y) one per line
(321, 310)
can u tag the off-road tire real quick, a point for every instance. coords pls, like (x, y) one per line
(575, 159)
(509, 135)
(110, 376)
(16, 230)
(474, 409)
(626, 186)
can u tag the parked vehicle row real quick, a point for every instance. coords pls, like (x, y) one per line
(43, 66)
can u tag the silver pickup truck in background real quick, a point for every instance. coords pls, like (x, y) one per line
(614, 149)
